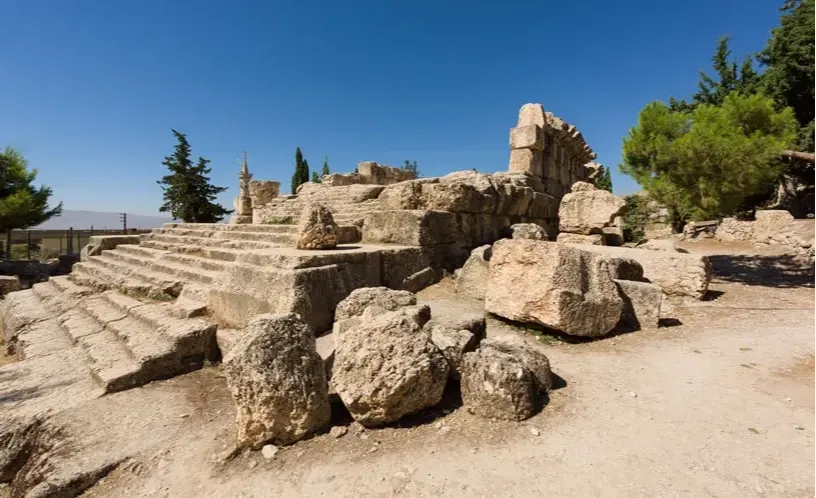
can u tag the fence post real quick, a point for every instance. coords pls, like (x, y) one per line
(28, 243)
(70, 240)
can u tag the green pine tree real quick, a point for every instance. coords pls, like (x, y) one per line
(315, 178)
(21, 204)
(305, 176)
(604, 181)
(297, 175)
(411, 167)
(325, 167)
(188, 193)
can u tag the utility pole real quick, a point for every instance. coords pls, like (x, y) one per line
(123, 219)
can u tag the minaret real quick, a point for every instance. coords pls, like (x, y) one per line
(243, 203)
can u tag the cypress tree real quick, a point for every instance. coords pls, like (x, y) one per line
(325, 167)
(297, 175)
(315, 178)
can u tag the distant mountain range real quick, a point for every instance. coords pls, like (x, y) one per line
(83, 220)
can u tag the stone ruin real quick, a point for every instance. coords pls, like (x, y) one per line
(331, 271)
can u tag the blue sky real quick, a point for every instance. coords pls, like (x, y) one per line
(91, 88)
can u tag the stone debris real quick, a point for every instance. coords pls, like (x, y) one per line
(338, 431)
(9, 283)
(278, 382)
(668, 245)
(587, 210)
(531, 357)
(98, 243)
(472, 278)
(528, 231)
(496, 385)
(388, 368)
(559, 286)
(381, 297)
(269, 451)
(453, 344)
(317, 229)
(642, 302)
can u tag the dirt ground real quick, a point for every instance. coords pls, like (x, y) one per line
(718, 402)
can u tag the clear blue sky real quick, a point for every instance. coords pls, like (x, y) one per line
(90, 89)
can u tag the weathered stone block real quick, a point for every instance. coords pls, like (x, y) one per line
(641, 303)
(472, 278)
(278, 382)
(317, 229)
(99, 243)
(528, 231)
(496, 384)
(589, 211)
(9, 283)
(555, 285)
(411, 228)
(595, 239)
(532, 114)
(527, 137)
(381, 297)
(527, 161)
(678, 274)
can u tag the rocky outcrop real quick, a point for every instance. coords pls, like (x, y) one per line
(678, 274)
(278, 382)
(388, 368)
(587, 210)
(471, 279)
(317, 229)
(555, 285)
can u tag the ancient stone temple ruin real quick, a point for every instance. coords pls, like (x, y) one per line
(131, 313)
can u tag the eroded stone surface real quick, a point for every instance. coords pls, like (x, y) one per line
(278, 382)
(472, 278)
(589, 211)
(317, 229)
(382, 297)
(496, 384)
(388, 368)
(555, 285)
(641, 304)
(528, 231)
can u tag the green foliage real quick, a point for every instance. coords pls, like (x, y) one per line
(301, 174)
(21, 204)
(325, 170)
(188, 193)
(315, 178)
(634, 221)
(604, 181)
(706, 162)
(411, 167)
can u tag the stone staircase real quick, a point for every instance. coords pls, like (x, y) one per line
(124, 342)
(136, 313)
(349, 204)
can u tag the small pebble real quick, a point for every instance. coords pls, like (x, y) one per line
(444, 430)
(269, 451)
(184, 415)
(788, 400)
(373, 449)
(633, 394)
(253, 464)
(798, 427)
(338, 431)
(534, 431)
(438, 425)
(363, 436)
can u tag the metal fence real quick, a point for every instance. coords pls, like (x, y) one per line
(48, 244)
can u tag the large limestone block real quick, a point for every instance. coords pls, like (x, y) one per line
(317, 229)
(461, 192)
(543, 206)
(382, 297)
(263, 192)
(411, 228)
(527, 161)
(595, 239)
(531, 357)
(589, 211)
(678, 274)
(559, 286)
(514, 194)
(496, 384)
(403, 195)
(278, 382)
(98, 243)
(641, 303)
(532, 114)
(769, 223)
(243, 291)
(527, 137)
(388, 368)
(472, 278)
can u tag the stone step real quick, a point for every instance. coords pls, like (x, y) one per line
(110, 362)
(171, 240)
(41, 339)
(204, 252)
(196, 262)
(270, 237)
(161, 265)
(103, 273)
(264, 228)
(145, 252)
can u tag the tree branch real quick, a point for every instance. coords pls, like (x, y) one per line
(807, 156)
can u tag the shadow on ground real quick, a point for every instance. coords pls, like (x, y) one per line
(782, 271)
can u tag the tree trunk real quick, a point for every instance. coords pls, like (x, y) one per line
(807, 156)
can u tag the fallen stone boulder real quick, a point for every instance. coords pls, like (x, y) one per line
(769, 223)
(472, 278)
(528, 231)
(278, 382)
(453, 343)
(496, 384)
(532, 358)
(388, 368)
(360, 299)
(678, 274)
(641, 304)
(317, 229)
(587, 210)
(595, 239)
(562, 287)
